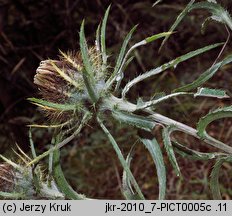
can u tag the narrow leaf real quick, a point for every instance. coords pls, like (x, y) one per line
(177, 22)
(122, 52)
(157, 36)
(212, 116)
(204, 121)
(169, 148)
(205, 76)
(150, 103)
(122, 61)
(168, 65)
(87, 72)
(207, 92)
(85, 53)
(121, 158)
(61, 181)
(97, 41)
(134, 120)
(103, 36)
(126, 183)
(186, 152)
(214, 179)
(56, 106)
(218, 12)
(156, 153)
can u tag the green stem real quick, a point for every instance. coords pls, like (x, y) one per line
(112, 103)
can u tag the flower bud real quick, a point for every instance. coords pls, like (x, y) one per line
(61, 82)
(25, 182)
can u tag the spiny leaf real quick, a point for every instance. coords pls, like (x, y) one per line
(126, 183)
(134, 120)
(85, 53)
(157, 36)
(203, 123)
(159, 100)
(123, 60)
(103, 37)
(218, 12)
(122, 51)
(167, 66)
(61, 181)
(56, 106)
(214, 179)
(87, 72)
(97, 41)
(205, 76)
(155, 151)
(212, 116)
(178, 20)
(121, 158)
(169, 148)
(186, 152)
(207, 92)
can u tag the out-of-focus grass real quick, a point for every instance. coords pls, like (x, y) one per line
(35, 30)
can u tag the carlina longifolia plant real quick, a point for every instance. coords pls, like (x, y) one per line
(81, 86)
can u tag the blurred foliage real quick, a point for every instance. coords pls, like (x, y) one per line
(31, 31)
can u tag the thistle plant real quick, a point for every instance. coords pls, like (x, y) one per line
(82, 86)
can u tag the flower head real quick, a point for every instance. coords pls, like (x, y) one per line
(62, 85)
(21, 181)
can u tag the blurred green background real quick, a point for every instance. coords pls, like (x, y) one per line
(31, 31)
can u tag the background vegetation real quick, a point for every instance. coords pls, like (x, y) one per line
(31, 31)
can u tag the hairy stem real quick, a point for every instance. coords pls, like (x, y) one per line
(112, 103)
